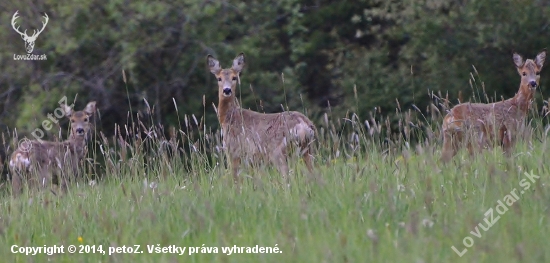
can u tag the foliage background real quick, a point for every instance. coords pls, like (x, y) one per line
(336, 57)
(339, 57)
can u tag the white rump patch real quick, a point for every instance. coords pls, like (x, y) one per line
(302, 131)
(20, 161)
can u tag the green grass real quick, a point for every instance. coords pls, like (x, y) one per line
(374, 197)
(372, 207)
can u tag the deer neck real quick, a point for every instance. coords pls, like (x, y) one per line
(76, 144)
(226, 106)
(524, 97)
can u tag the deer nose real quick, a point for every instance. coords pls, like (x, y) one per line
(533, 83)
(227, 91)
(79, 131)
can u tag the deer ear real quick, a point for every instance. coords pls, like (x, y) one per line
(90, 108)
(539, 60)
(67, 109)
(213, 65)
(518, 60)
(238, 63)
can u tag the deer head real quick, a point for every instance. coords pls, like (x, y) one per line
(80, 120)
(529, 70)
(227, 78)
(29, 40)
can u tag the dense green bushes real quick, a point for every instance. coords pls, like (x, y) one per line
(301, 54)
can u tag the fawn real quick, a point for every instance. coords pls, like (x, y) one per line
(258, 136)
(41, 159)
(498, 122)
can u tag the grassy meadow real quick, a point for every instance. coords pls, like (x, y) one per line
(370, 199)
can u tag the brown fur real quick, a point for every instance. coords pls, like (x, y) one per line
(483, 125)
(258, 136)
(37, 160)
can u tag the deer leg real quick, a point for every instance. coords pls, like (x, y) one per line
(16, 182)
(71, 172)
(235, 163)
(475, 144)
(45, 177)
(279, 159)
(506, 140)
(469, 141)
(470, 148)
(33, 176)
(306, 155)
(450, 146)
(63, 179)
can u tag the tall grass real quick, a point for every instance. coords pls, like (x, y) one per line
(375, 196)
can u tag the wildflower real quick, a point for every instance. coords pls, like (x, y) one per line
(80, 239)
(427, 223)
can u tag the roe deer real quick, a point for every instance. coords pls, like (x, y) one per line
(37, 160)
(258, 136)
(498, 122)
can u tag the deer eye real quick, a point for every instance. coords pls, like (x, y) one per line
(538, 73)
(524, 74)
(219, 79)
(72, 121)
(86, 120)
(234, 78)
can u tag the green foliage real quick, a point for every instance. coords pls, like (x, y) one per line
(315, 54)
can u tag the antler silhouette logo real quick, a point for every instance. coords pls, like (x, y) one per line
(29, 40)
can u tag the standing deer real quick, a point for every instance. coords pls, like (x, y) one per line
(37, 160)
(258, 136)
(498, 122)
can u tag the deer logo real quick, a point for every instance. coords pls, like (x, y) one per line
(29, 40)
